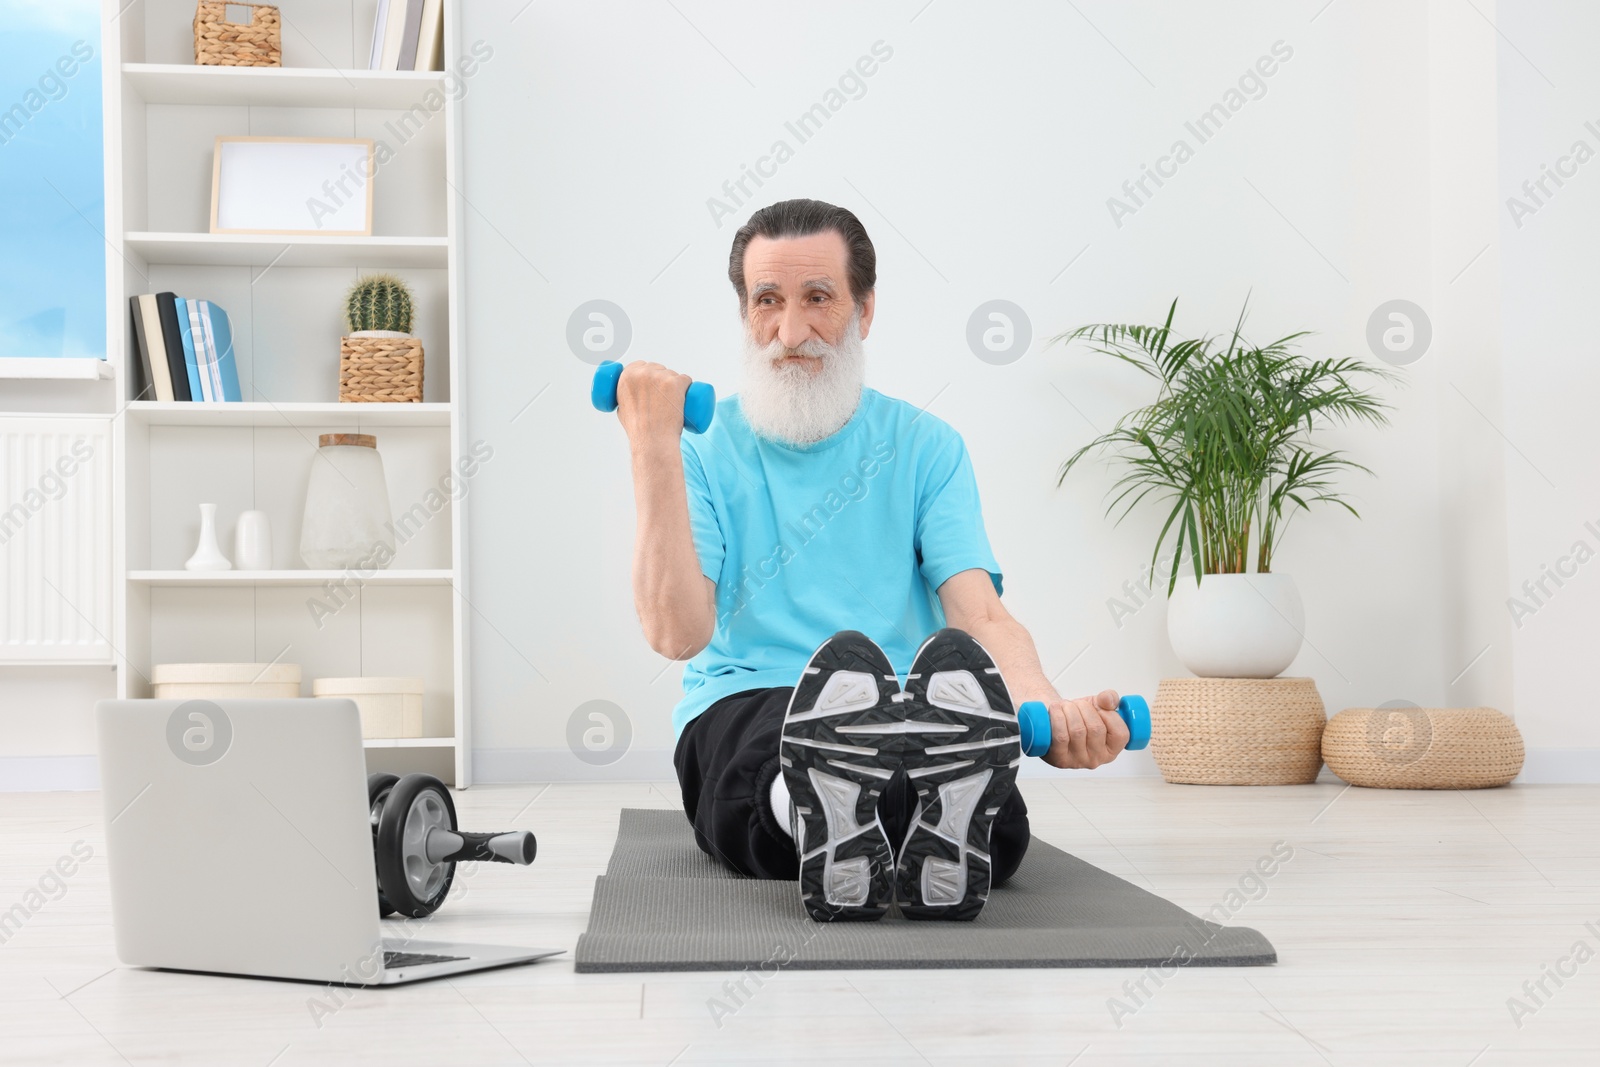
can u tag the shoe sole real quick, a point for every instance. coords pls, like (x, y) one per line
(962, 774)
(835, 763)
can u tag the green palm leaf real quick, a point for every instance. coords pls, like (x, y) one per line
(1226, 444)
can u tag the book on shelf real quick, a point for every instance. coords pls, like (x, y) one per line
(407, 35)
(152, 349)
(186, 344)
(408, 41)
(430, 44)
(375, 55)
(185, 349)
(221, 370)
(394, 32)
(172, 341)
(198, 343)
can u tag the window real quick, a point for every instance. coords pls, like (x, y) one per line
(52, 192)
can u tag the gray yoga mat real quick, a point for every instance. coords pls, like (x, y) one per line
(663, 905)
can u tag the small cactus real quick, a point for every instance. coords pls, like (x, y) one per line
(379, 302)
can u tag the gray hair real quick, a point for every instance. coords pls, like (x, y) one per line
(802, 218)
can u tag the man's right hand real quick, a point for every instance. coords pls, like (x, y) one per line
(650, 403)
(676, 603)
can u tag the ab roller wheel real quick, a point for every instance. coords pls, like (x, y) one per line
(699, 403)
(416, 844)
(1034, 718)
(378, 787)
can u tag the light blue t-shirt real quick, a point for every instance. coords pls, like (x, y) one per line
(855, 532)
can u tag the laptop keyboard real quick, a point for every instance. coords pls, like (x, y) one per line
(393, 960)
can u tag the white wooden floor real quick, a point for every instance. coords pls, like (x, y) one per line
(1404, 922)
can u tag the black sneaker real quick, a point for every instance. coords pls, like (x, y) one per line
(835, 762)
(962, 767)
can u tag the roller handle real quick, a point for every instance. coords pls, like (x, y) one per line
(1034, 718)
(515, 846)
(699, 403)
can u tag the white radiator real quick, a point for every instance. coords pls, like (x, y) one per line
(55, 539)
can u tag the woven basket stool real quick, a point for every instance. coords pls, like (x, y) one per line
(1423, 748)
(380, 370)
(1238, 731)
(220, 43)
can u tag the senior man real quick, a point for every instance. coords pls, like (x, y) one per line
(814, 512)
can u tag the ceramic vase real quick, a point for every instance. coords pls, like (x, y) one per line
(252, 542)
(347, 518)
(207, 556)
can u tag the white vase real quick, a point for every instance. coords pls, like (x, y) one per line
(347, 518)
(207, 556)
(252, 542)
(1236, 625)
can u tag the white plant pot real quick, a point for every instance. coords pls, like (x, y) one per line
(1236, 625)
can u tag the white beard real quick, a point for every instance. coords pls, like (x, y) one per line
(790, 404)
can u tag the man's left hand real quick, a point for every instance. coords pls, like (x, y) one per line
(1086, 732)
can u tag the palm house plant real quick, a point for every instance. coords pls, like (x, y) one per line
(379, 359)
(1226, 448)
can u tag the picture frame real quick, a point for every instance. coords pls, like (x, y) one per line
(302, 186)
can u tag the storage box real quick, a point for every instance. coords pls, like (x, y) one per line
(237, 35)
(218, 681)
(390, 707)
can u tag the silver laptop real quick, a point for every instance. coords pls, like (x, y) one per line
(239, 842)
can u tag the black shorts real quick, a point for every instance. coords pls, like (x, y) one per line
(727, 759)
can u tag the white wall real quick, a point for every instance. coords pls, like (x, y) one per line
(981, 157)
(1551, 378)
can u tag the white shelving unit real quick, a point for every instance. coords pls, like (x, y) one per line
(265, 250)
(74, 369)
(284, 297)
(289, 413)
(225, 579)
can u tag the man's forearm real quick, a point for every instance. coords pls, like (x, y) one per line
(1012, 648)
(669, 592)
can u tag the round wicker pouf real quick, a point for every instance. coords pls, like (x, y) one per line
(1423, 748)
(1238, 731)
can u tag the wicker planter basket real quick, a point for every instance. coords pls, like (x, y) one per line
(220, 43)
(1423, 748)
(1238, 731)
(380, 370)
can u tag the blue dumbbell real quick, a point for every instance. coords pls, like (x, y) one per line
(699, 403)
(1034, 718)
